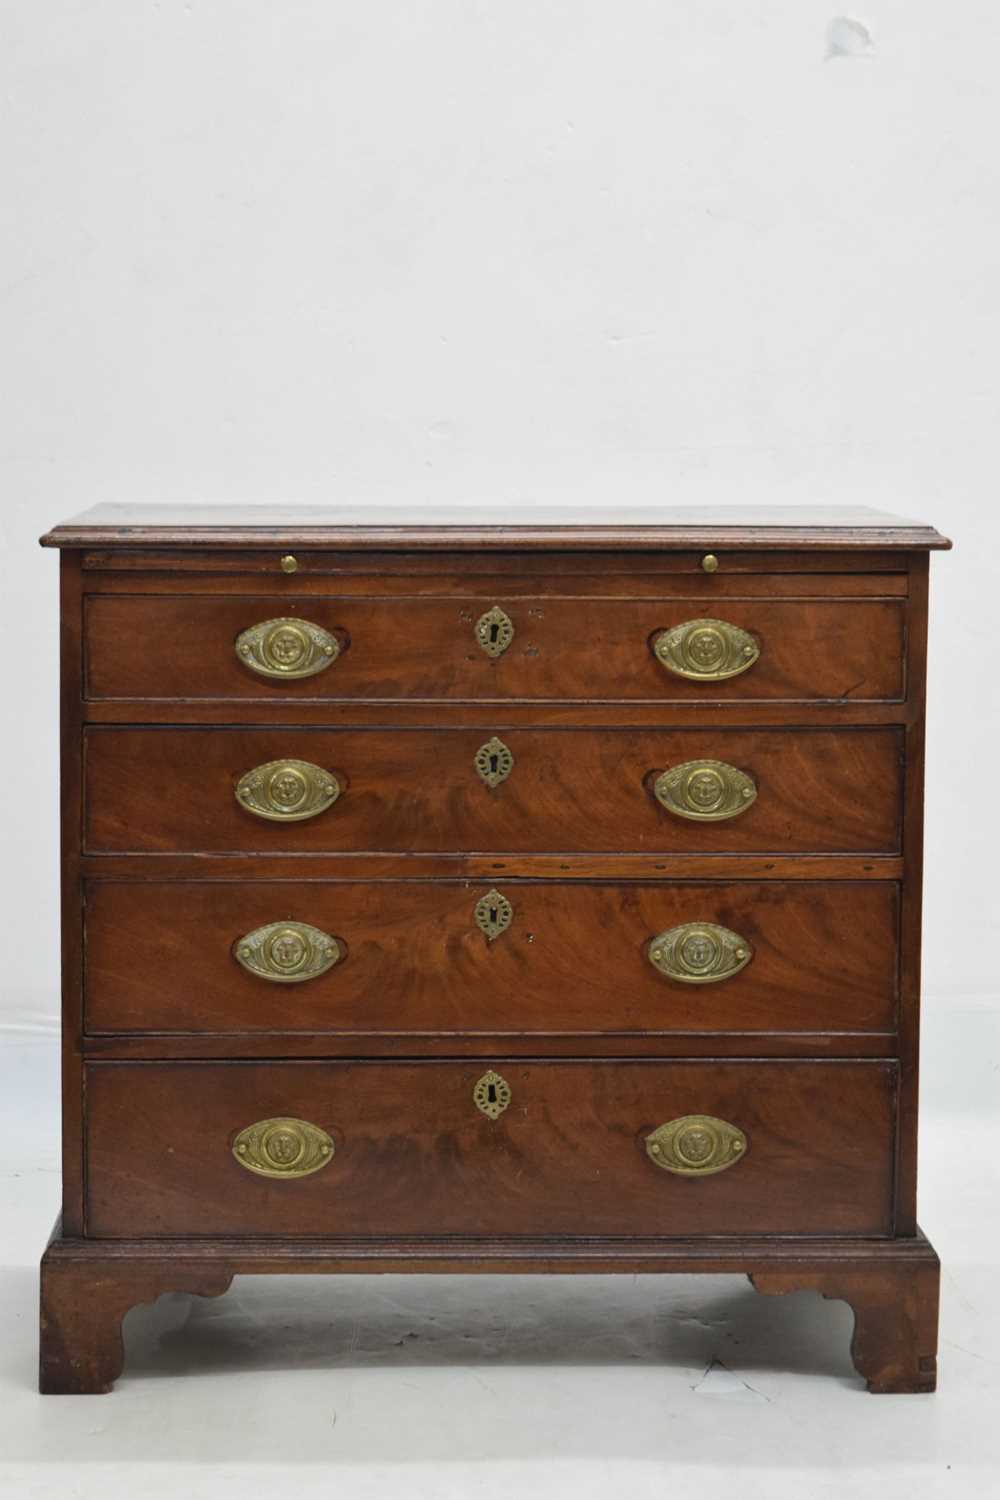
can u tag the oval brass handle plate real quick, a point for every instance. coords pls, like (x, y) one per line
(494, 762)
(706, 790)
(287, 648)
(283, 1148)
(494, 631)
(696, 1145)
(286, 791)
(493, 914)
(699, 953)
(706, 650)
(287, 952)
(492, 1095)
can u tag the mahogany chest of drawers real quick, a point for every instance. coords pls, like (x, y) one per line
(464, 898)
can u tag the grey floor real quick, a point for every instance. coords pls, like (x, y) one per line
(449, 1386)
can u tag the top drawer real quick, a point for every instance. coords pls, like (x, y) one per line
(344, 648)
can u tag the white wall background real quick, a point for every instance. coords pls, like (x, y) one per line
(503, 251)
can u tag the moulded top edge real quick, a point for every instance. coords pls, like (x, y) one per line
(460, 528)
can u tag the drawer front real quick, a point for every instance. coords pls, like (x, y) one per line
(806, 791)
(440, 958)
(409, 1150)
(533, 649)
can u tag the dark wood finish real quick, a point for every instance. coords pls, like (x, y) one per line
(83, 1302)
(676, 527)
(86, 1284)
(415, 1156)
(159, 1046)
(812, 1049)
(911, 914)
(574, 960)
(441, 575)
(71, 920)
(492, 717)
(181, 647)
(162, 789)
(486, 866)
(895, 1318)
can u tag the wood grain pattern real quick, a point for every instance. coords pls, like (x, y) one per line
(169, 1047)
(182, 647)
(87, 1284)
(574, 960)
(415, 1156)
(407, 865)
(911, 916)
(894, 1346)
(457, 527)
(435, 575)
(71, 890)
(173, 790)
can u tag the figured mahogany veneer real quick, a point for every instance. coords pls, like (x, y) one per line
(415, 1156)
(574, 960)
(561, 648)
(172, 1049)
(164, 790)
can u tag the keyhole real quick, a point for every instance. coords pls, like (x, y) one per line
(491, 1094)
(494, 764)
(494, 915)
(494, 633)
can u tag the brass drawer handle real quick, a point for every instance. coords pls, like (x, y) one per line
(287, 952)
(706, 650)
(287, 648)
(494, 762)
(283, 1148)
(696, 1145)
(705, 790)
(494, 631)
(286, 791)
(699, 953)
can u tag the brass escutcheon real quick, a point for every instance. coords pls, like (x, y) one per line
(283, 1148)
(287, 791)
(287, 952)
(287, 648)
(494, 762)
(705, 790)
(492, 1095)
(699, 953)
(706, 650)
(494, 631)
(696, 1145)
(493, 914)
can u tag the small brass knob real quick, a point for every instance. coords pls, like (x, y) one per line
(710, 563)
(289, 564)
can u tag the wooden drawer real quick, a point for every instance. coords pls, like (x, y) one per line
(414, 1155)
(574, 959)
(581, 649)
(173, 790)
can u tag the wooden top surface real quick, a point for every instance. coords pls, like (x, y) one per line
(578, 528)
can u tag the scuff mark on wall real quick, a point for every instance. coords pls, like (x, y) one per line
(846, 37)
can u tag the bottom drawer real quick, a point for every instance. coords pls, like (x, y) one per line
(406, 1148)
